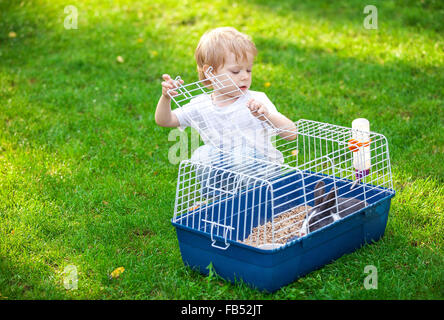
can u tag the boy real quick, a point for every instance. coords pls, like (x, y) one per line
(229, 115)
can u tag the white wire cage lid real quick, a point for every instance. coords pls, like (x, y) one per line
(211, 119)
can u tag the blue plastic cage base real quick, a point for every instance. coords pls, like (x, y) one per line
(271, 269)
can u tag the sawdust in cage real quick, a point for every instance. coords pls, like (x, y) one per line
(286, 226)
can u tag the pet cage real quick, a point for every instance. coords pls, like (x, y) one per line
(269, 209)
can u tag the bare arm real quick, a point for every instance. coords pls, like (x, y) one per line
(164, 117)
(282, 122)
(278, 120)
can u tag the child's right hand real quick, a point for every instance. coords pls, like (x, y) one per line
(168, 84)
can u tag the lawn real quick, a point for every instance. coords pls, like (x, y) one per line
(85, 178)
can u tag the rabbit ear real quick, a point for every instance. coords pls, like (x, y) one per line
(319, 192)
(329, 200)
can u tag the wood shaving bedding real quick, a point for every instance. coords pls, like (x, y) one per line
(286, 226)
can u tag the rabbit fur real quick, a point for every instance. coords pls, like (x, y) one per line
(325, 210)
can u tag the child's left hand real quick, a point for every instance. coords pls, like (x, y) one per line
(257, 109)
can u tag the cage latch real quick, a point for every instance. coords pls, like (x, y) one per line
(226, 229)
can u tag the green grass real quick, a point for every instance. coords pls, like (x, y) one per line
(84, 173)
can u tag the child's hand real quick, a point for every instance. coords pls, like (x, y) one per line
(168, 84)
(257, 109)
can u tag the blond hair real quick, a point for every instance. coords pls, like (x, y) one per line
(214, 44)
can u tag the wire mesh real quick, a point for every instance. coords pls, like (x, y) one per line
(242, 197)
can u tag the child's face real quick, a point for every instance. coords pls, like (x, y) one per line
(238, 70)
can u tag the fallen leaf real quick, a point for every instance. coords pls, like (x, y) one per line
(120, 59)
(12, 34)
(117, 272)
(105, 202)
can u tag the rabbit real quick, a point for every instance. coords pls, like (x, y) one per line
(325, 210)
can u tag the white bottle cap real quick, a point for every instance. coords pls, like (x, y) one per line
(361, 124)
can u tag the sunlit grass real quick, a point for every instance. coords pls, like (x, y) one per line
(85, 178)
